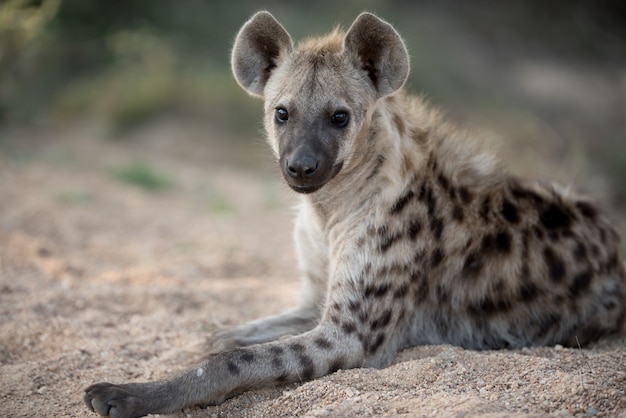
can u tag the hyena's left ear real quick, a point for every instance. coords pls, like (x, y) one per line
(380, 51)
(260, 44)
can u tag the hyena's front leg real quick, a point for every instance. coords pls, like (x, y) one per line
(318, 352)
(359, 328)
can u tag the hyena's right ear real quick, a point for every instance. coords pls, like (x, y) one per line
(260, 44)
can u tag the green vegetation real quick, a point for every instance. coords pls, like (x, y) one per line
(218, 203)
(142, 174)
(125, 63)
(77, 197)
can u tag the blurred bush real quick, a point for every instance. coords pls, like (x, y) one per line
(125, 63)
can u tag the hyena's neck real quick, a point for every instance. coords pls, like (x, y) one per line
(411, 142)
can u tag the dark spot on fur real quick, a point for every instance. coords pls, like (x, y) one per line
(466, 196)
(376, 343)
(336, 365)
(528, 292)
(367, 269)
(400, 292)
(580, 283)
(431, 202)
(614, 262)
(402, 202)
(277, 363)
(556, 267)
(247, 357)
(472, 266)
(414, 229)
(387, 241)
(489, 244)
(595, 250)
(443, 295)
(363, 316)
(538, 232)
(422, 193)
(436, 227)
(348, 327)
(510, 212)
(416, 276)
(587, 210)
(556, 217)
(420, 291)
(503, 242)
(580, 252)
(554, 235)
(382, 321)
(436, 258)
(232, 368)
(381, 290)
(276, 350)
(380, 160)
(452, 193)
(419, 135)
(297, 347)
(443, 181)
(397, 119)
(485, 208)
(308, 368)
(458, 214)
(324, 343)
(354, 305)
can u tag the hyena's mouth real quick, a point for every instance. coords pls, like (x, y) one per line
(302, 186)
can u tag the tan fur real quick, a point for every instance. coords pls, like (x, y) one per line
(407, 232)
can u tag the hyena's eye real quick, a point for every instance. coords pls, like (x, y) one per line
(340, 119)
(282, 115)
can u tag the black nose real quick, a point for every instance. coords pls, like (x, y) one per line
(302, 166)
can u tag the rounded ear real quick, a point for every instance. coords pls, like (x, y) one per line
(258, 47)
(379, 51)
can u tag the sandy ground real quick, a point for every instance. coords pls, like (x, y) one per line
(104, 281)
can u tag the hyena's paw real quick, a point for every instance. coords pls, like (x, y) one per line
(111, 400)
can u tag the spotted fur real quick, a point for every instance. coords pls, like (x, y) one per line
(407, 233)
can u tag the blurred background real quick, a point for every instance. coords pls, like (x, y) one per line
(546, 80)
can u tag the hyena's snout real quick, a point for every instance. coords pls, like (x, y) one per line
(302, 165)
(306, 170)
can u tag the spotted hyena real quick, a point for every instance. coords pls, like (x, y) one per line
(407, 234)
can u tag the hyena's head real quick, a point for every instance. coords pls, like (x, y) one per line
(319, 95)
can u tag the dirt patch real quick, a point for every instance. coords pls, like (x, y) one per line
(101, 279)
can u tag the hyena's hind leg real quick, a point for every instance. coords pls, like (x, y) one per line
(292, 322)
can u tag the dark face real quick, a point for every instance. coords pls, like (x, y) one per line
(309, 148)
(311, 120)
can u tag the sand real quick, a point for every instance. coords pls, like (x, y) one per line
(101, 280)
